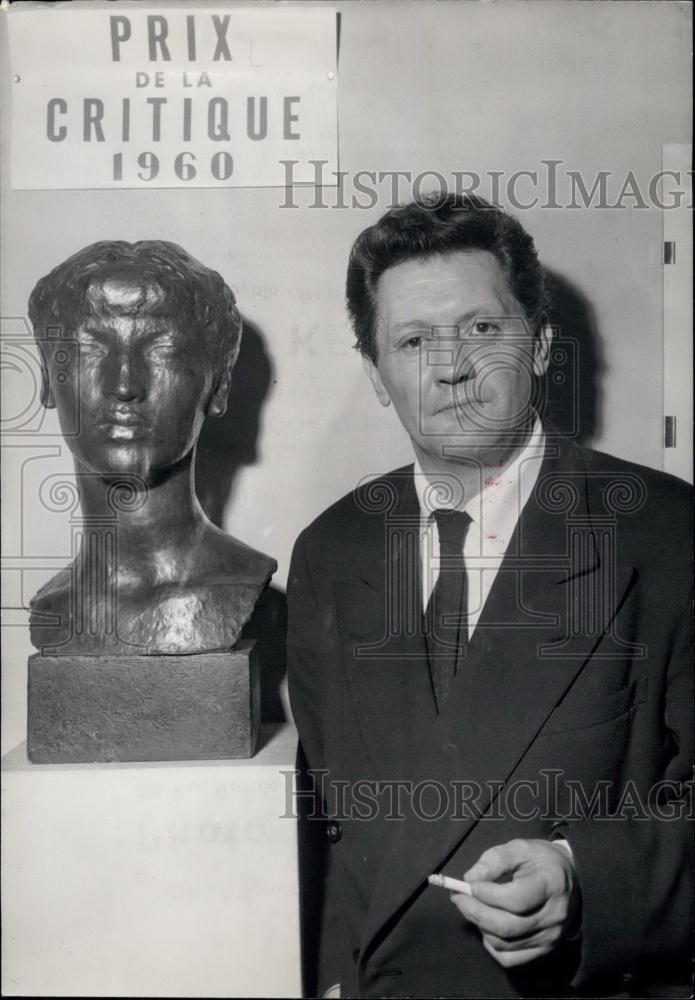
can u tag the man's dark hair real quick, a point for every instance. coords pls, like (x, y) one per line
(181, 287)
(440, 224)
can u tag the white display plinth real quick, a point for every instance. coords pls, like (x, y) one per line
(171, 879)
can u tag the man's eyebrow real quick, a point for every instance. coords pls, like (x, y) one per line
(416, 324)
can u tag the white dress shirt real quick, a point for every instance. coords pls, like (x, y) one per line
(494, 514)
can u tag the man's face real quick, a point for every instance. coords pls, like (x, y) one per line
(455, 356)
(140, 386)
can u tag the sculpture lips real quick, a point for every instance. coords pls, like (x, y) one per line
(125, 418)
(125, 425)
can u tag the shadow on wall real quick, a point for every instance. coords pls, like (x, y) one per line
(230, 442)
(573, 403)
(227, 444)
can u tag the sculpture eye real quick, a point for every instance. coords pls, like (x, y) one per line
(161, 349)
(91, 346)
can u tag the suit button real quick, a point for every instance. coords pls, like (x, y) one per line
(334, 831)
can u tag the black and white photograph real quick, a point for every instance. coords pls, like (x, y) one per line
(347, 464)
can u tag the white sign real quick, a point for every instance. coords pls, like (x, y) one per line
(114, 97)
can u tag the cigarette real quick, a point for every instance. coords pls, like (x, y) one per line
(454, 884)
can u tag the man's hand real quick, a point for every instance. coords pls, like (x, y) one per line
(525, 899)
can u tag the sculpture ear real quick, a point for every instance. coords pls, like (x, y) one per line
(217, 406)
(47, 399)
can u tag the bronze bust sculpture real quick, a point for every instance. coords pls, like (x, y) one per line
(138, 342)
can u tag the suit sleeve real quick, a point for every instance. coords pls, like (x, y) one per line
(635, 872)
(306, 652)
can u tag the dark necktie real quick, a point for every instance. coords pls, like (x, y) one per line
(446, 625)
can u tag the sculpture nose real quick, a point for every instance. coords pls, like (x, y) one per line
(128, 381)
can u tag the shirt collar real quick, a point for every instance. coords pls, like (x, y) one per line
(497, 508)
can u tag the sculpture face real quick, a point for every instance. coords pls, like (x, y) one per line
(141, 384)
(147, 338)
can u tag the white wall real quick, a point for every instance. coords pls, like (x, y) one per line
(422, 86)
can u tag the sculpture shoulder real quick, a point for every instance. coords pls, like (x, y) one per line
(223, 558)
(54, 590)
(203, 607)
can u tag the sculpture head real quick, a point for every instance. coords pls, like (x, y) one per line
(137, 342)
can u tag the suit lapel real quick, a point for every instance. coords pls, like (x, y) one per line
(552, 601)
(380, 621)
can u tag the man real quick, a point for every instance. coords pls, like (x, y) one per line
(489, 655)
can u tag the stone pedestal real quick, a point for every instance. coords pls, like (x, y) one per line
(88, 709)
(151, 880)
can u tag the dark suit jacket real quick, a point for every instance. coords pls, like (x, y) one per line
(574, 701)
